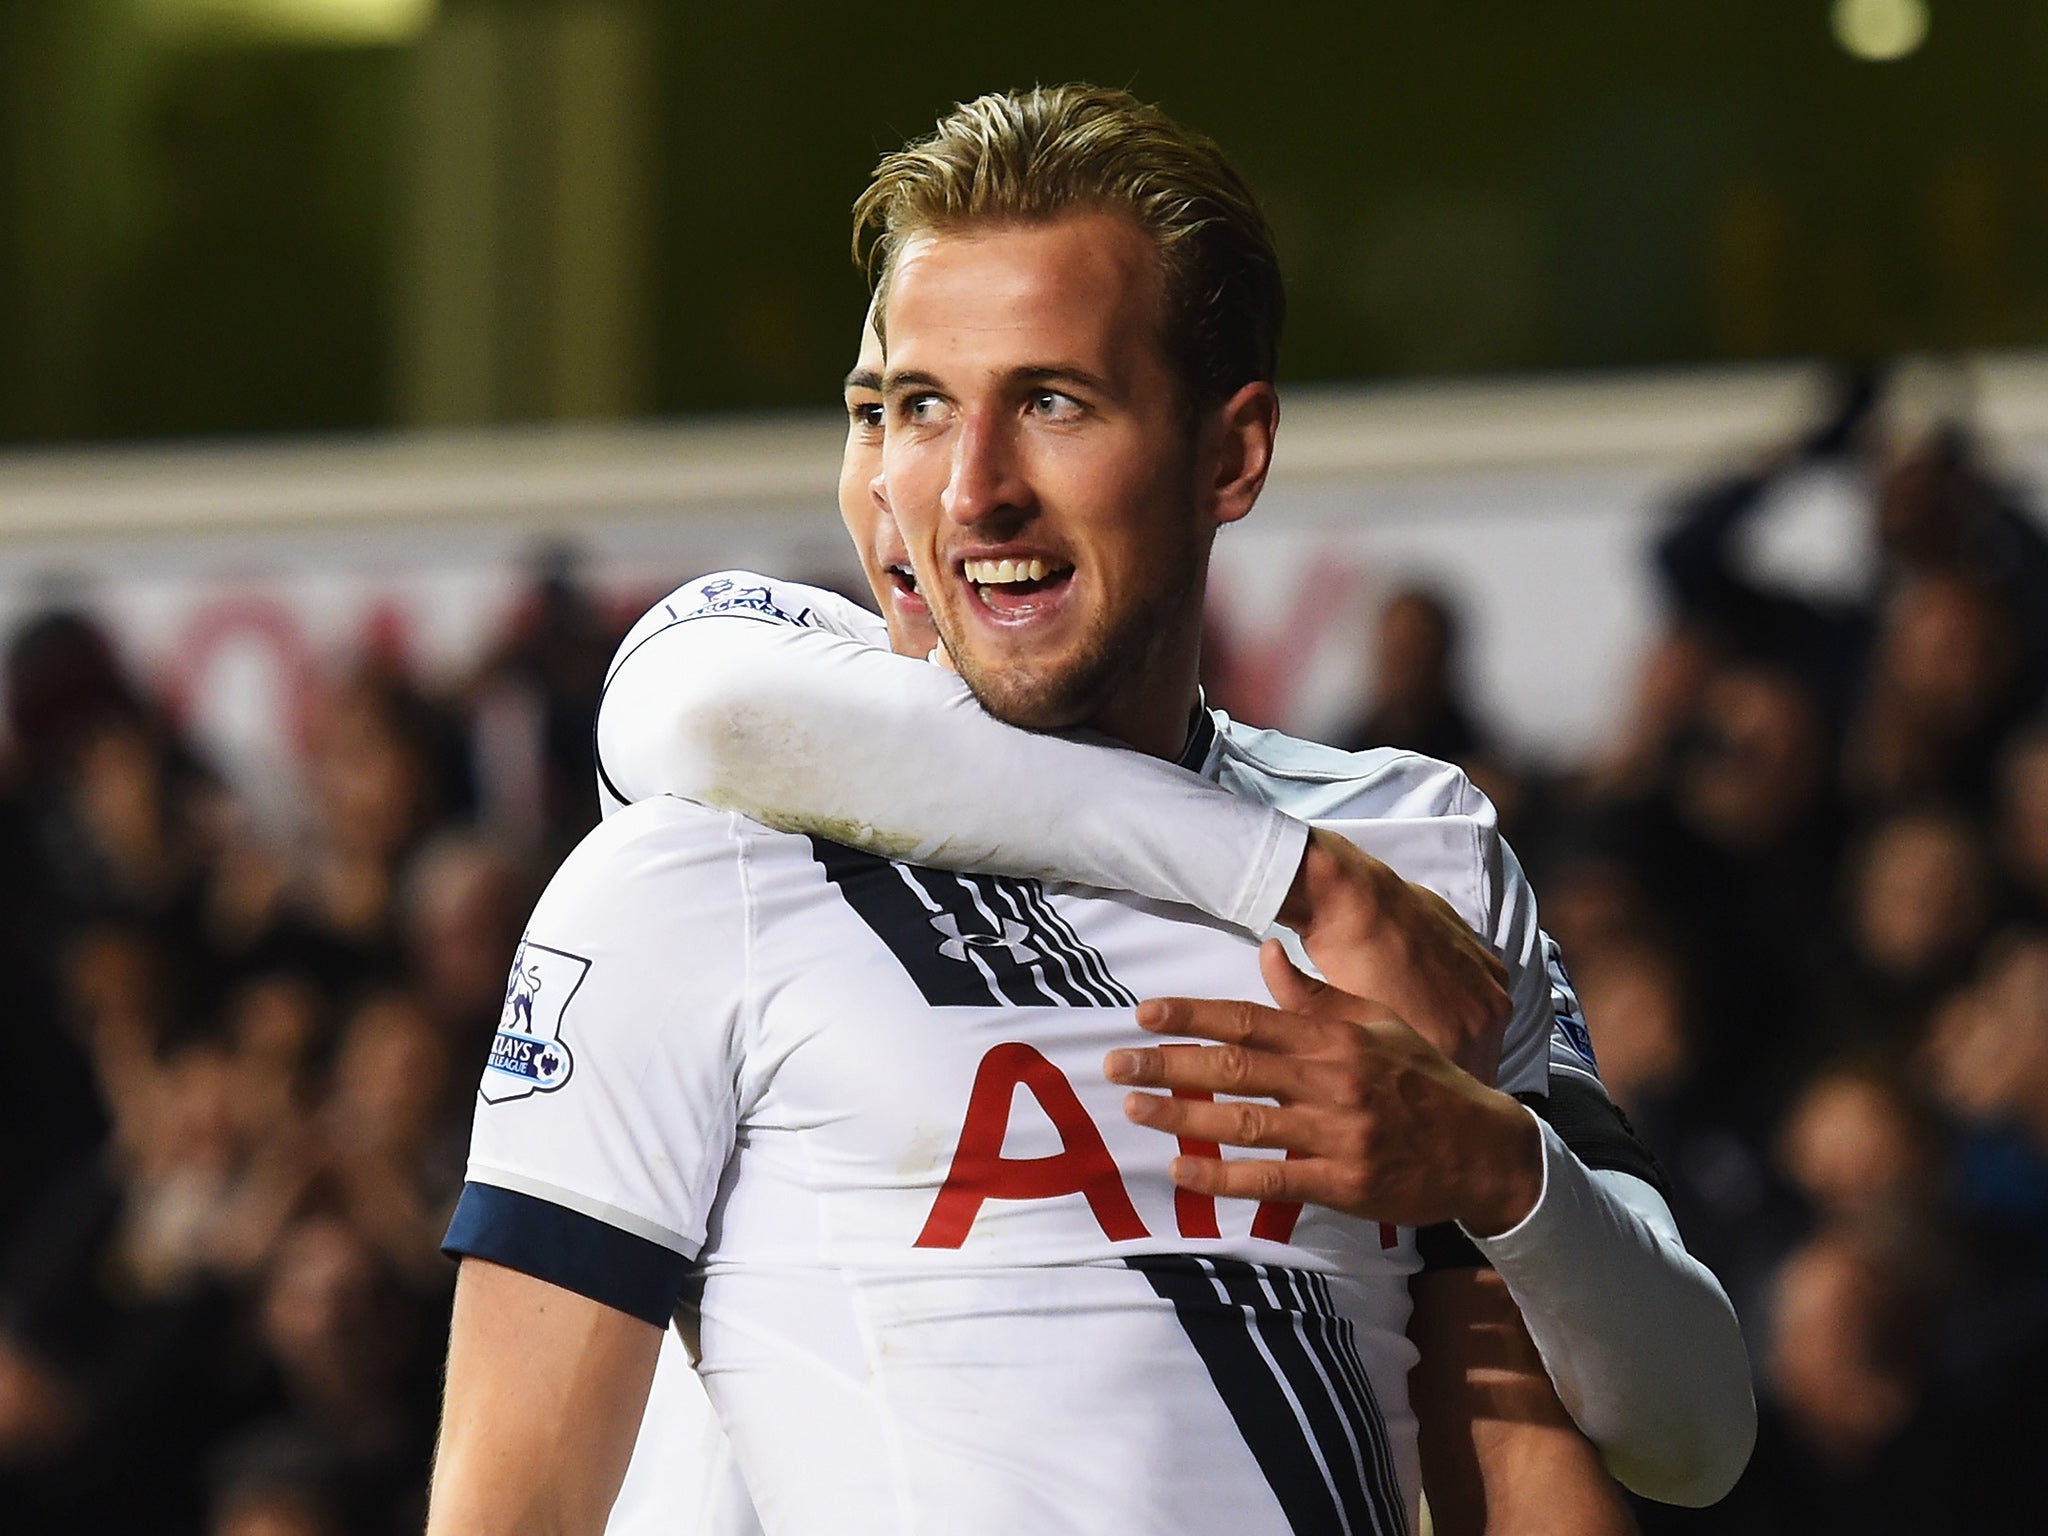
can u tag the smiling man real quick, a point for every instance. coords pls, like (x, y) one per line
(945, 1281)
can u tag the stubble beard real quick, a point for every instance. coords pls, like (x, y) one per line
(1119, 651)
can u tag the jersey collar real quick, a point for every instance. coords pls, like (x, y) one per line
(1201, 737)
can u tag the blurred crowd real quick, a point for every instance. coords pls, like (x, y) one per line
(1803, 892)
(1804, 896)
(241, 1075)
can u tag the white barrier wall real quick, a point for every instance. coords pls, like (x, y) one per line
(234, 575)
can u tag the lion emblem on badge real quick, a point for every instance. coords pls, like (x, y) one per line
(528, 1053)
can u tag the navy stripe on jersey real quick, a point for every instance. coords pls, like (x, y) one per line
(1090, 959)
(566, 1248)
(1277, 1353)
(1341, 1339)
(1083, 967)
(971, 941)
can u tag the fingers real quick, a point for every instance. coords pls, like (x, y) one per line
(1230, 1022)
(1238, 1123)
(1302, 1180)
(1228, 1069)
(1226, 1021)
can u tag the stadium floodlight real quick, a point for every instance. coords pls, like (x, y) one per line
(343, 22)
(1880, 30)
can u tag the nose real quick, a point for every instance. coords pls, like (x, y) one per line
(986, 481)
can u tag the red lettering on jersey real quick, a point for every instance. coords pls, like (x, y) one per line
(980, 1172)
(1276, 1218)
(1194, 1212)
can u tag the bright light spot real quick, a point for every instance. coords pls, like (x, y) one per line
(1880, 30)
(306, 21)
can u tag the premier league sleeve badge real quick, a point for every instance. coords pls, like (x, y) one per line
(528, 1054)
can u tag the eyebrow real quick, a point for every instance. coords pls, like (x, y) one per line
(1033, 374)
(864, 378)
(905, 378)
(1065, 373)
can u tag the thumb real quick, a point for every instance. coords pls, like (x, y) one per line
(1293, 988)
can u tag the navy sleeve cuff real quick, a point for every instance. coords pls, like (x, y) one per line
(1445, 1246)
(566, 1248)
(1595, 1129)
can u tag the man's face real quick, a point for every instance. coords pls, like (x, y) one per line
(883, 559)
(1042, 471)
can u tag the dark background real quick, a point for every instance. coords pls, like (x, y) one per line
(210, 229)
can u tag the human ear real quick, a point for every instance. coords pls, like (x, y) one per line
(1241, 433)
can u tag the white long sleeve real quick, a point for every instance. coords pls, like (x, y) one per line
(1637, 1335)
(813, 731)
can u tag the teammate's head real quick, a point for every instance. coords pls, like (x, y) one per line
(883, 559)
(1081, 309)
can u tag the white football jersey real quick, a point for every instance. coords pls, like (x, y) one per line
(944, 1284)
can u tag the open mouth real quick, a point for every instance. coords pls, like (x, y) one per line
(1012, 587)
(904, 580)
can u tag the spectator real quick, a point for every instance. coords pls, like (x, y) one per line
(1935, 509)
(2022, 839)
(345, 1340)
(1737, 851)
(1418, 694)
(1634, 999)
(118, 1338)
(1944, 692)
(465, 900)
(1857, 1143)
(373, 800)
(276, 1481)
(1919, 900)
(394, 1152)
(1987, 1061)
(534, 755)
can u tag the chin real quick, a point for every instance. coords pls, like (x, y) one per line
(1032, 700)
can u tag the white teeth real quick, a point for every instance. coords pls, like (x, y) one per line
(996, 573)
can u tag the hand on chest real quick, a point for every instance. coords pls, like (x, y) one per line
(939, 1063)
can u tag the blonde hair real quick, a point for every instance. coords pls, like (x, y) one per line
(1032, 156)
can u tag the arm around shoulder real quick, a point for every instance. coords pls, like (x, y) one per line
(812, 731)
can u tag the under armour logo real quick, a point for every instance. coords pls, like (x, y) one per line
(957, 943)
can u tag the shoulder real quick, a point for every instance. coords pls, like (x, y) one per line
(1315, 782)
(646, 859)
(751, 595)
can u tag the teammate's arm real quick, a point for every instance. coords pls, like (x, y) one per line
(544, 1395)
(1638, 1336)
(781, 702)
(767, 711)
(1500, 1456)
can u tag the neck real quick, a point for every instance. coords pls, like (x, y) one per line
(1151, 710)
